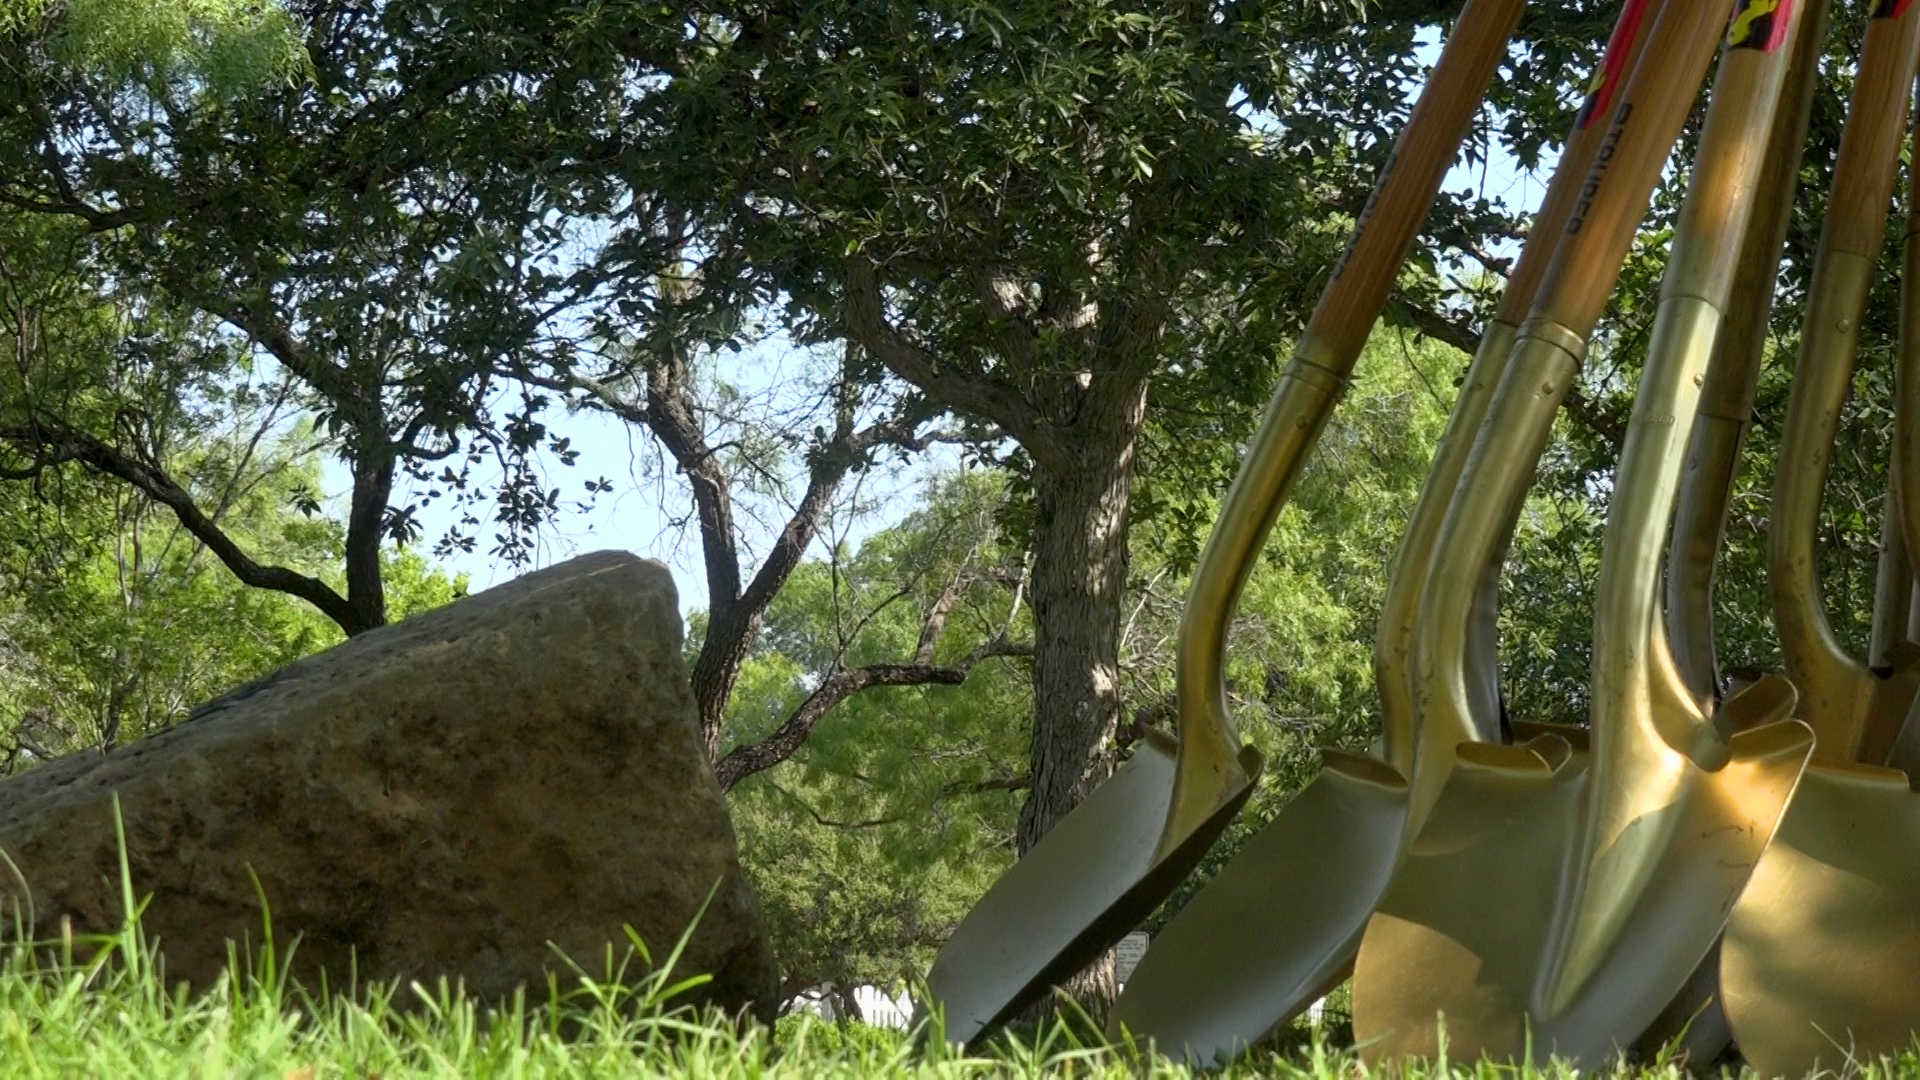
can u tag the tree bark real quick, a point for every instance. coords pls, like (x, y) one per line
(1078, 594)
(366, 527)
(1081, 429)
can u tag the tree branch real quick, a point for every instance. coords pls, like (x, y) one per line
(735, 610)
(60, 444)
(865, 317)
(745, 760)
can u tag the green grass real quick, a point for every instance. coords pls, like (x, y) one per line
(111, 1016)
(101, 1008)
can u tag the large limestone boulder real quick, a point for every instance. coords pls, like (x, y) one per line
(442, 797)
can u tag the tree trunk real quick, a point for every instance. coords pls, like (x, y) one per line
(731, 632)
(366, 528)
(1079, 587)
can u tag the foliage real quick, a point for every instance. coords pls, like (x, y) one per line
(229, 46)
(321, 227)
(135, 623)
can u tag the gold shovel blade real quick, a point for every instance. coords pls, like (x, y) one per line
(1821, 965)
(1464, 940)
(1437, 951)
(1092, 879)
(1278, 926)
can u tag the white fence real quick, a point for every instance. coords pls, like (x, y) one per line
(875, 1006)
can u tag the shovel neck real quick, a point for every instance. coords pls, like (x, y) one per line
(1700, 518)
(1635, 693)
(1829, 679)
(1836, 690)
(1892, 582)
(1400, 610)
(1492, 487)
(1299, 410)
(1905, 469)
(1648, 477)
(1726, 401)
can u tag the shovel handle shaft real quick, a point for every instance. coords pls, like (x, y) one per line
(1836, 688)
(1590, 125)
(1644, 122)
(1403, 194)
(1308, 392)
(1400, 610)
(1640, 135)
(1733, 375)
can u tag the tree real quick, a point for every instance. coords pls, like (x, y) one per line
(134, 622)
(1027, 214)
(317, 226)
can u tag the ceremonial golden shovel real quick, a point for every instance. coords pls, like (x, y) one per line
(1822, 955)
(1551, 906)
(1695, 1022)
(1118, 855)
(1278, 926)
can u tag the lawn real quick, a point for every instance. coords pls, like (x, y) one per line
(101, 1008)
(111, 1016)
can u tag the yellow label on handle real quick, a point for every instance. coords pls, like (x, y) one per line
(1759, 24)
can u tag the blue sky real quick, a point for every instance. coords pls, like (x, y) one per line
(647, 511)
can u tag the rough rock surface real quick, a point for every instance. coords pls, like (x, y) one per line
(442, 797)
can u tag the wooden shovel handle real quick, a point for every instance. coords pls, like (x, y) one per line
(1640, 135)
(1590, 125)
(1325, 355)
(1403, 194)
(1726, 401)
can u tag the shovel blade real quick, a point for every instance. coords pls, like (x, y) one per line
(1822, 957)
(1467, 939)
(1278, 926)
(1456, 939)
(1088, 882)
